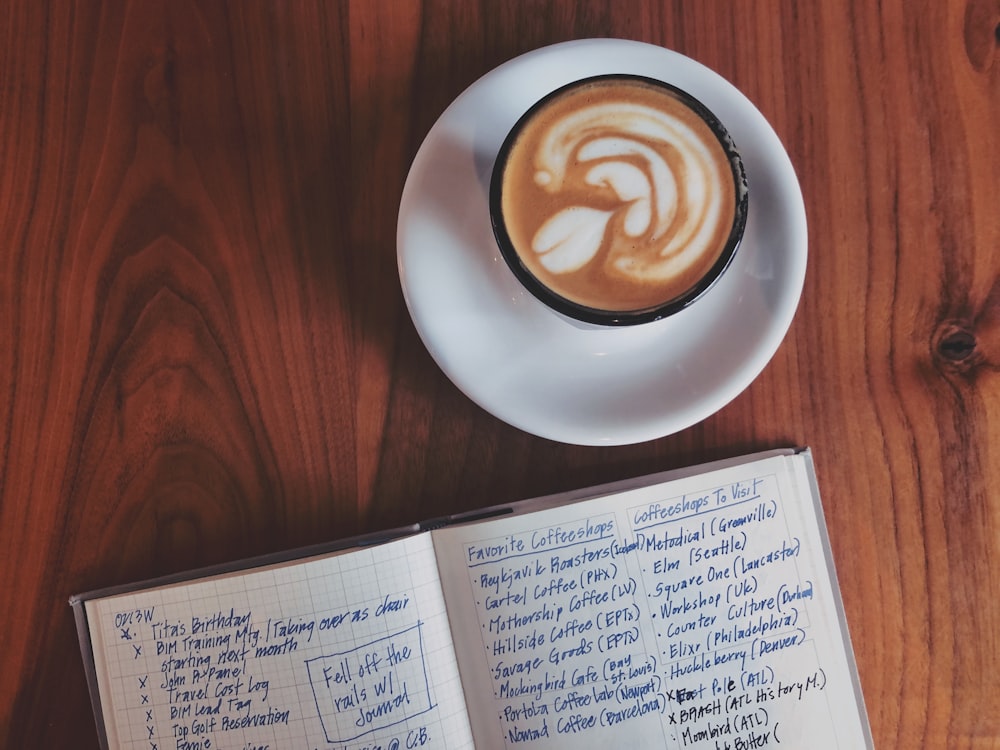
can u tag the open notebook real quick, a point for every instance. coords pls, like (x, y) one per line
(693, 609)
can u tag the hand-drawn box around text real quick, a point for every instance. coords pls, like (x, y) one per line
(371, 687)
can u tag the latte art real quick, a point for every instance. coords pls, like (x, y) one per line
(616, 195)
(670, 188)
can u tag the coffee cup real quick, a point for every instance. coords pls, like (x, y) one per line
(618, 200)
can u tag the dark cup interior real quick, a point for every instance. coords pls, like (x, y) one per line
(617, 317)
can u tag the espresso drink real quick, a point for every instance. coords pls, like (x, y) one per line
(618, 196)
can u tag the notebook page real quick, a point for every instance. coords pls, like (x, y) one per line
(347, 651)
(699, 613)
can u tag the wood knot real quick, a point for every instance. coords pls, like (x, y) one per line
(955, 346)
(981, 33)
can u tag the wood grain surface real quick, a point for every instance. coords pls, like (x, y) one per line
(205, 354)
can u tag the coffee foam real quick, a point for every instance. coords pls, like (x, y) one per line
(618, 196)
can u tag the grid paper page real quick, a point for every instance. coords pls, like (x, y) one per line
(349, 651)
(698, 614)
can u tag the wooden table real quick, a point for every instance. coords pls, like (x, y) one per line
(206, 354)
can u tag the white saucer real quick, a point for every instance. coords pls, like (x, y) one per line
(540, 371)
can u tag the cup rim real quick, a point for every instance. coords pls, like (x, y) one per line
(600, 316)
